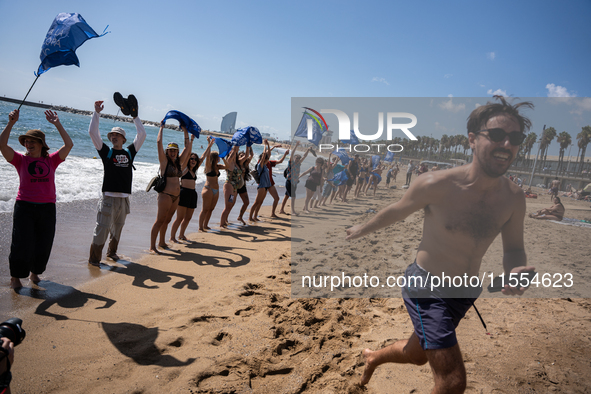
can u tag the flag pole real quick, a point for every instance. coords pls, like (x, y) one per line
(19, 107)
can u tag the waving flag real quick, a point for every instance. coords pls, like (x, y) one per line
(184, 120)
(375, 161)
(66, 34)
(247, 136)
(340, 178)
(353, 140)
(389, 157)
(317, 128)
(343, 156)
(224, 146)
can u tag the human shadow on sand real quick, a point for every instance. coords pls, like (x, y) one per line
(259, 233)
(216, 259)
(142, 273)
(138, 343)
(63, 296)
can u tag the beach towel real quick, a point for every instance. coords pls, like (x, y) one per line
(572, 222)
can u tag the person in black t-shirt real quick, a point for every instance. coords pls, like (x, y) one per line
(113, 206)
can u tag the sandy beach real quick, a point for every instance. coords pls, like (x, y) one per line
(217, 315)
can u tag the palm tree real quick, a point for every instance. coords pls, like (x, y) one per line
(547, 137)
(584, 137)
(564, 139)
(528, 144)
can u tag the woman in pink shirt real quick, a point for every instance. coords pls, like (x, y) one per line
(33, 226)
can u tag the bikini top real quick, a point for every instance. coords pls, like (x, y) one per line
(172, 171)
(213, 173)
(189, 176)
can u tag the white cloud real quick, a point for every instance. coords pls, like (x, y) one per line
(491, 55)
(481, 85)
(558, 91)
(450, 95)
(582, 105)
(382, 80)
(450, 106)
(447, 75)
(497, 92)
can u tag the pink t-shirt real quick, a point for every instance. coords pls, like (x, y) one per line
(37, 176)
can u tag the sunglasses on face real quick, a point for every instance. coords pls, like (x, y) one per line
(497, 135)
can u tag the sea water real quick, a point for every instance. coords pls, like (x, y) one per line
(80, 177)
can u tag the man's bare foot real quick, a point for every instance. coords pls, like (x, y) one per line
(95, 263)
(241, 221)
(34, 278)
(15, 283)
(207, 227)
(369, 367)
(296, 213)
(154, 251)
(282, 212)
(275, 216)
(163, 246)
(183, 238)
(305, 211)
(224, 225)
(174, 240)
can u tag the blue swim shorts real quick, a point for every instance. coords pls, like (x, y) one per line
(434, 318)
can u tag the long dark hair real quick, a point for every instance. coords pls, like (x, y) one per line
(194, 169)
(214, 157)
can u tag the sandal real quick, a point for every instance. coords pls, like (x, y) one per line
(132, 105)
(121, 103)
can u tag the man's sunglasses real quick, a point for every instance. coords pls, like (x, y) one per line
(516, 138)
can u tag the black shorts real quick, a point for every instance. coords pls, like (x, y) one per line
(311, 185)
(288, 188)
(188, 198)
(242, 189)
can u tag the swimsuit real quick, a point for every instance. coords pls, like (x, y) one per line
(214, 174)
(172, 171)
(189, 176)
(235, 178)
(188, 197)
(434, 314)
(215, 191)
(173, 197)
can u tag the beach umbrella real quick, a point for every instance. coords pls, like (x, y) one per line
(65, 35)
(184, 120)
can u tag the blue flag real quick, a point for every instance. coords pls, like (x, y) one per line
(375, 161)
(353, 140)
(224, 146)
(66, 34)
(389, 157)
(317, 128)
(184, 120)
(247, 136)
(340, 178)
(343, 156)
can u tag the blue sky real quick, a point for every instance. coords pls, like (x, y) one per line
(208, 58)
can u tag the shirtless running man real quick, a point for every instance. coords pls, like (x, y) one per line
(465, 209)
